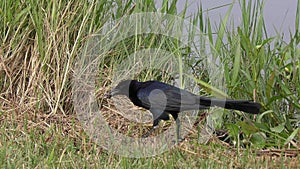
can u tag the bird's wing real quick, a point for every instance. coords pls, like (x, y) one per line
(168, 99)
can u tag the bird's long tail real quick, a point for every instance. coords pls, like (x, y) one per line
(242, 105)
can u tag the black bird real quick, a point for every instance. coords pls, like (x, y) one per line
(162, 99)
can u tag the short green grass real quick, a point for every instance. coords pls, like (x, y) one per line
(39, 44)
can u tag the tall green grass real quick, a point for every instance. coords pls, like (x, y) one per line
(260, 68)
(39, 43)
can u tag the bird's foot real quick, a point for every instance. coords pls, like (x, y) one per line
(146, 135)
(149, 132)
(178, 140)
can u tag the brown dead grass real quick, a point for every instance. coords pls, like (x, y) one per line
(26, 119)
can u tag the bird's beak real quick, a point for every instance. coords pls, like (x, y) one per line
(111, 93)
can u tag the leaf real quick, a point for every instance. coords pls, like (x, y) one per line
(247, 128)
(210, 89)
(270, 84)
(278, 129)
(262, 126)
(292, 136)
(233, 130)
(236, 64)
(259, 117)
(258, 139)
(222, 30)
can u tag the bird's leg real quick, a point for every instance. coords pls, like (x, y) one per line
(175, 116)
(155, 126)
(178, 138)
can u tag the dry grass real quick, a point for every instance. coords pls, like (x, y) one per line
(216, 152)
(39, 43)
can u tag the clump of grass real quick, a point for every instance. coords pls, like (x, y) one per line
(38, 46)
(259, 68)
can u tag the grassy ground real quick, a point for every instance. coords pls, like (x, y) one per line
(39, 44)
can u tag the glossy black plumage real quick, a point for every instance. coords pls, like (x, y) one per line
(163, 99)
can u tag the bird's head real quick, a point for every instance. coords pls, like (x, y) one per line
(121, 89)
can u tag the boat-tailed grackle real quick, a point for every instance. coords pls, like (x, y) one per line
(162, 99)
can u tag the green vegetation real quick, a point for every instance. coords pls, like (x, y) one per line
(39, 44)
